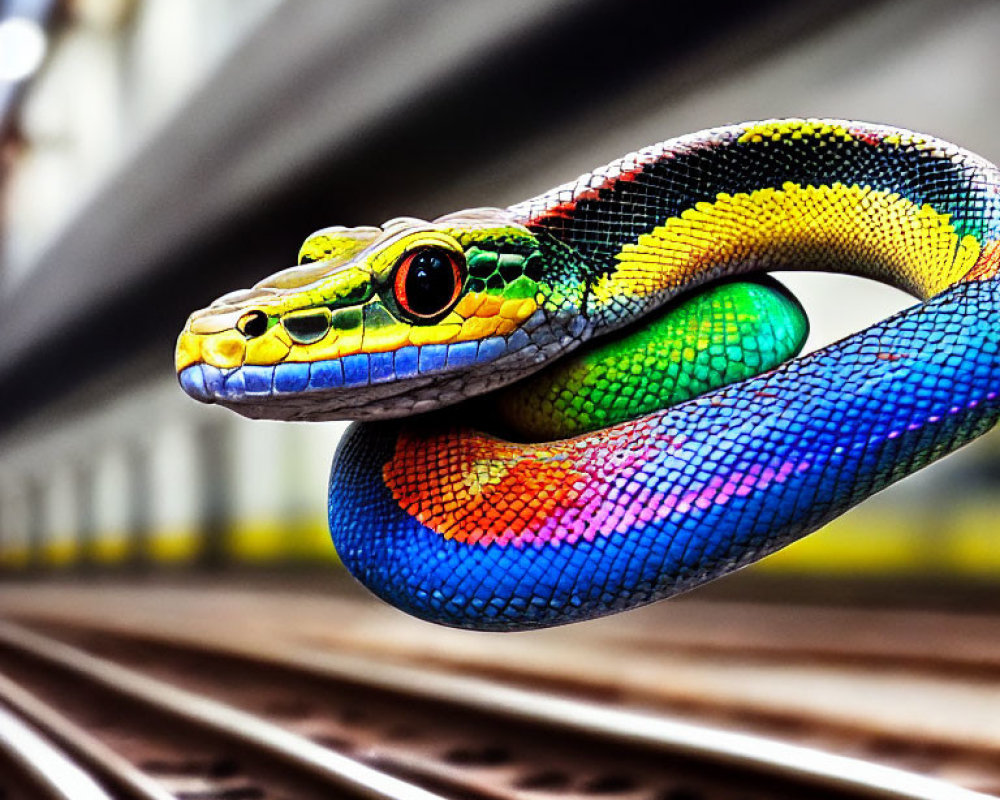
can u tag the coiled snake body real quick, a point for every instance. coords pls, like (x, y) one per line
(484, 530)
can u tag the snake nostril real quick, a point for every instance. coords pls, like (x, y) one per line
(252, 324)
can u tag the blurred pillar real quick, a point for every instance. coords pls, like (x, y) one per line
(59, 535)
(35, 521)
(259, 528)
(177, 473)
(215, 492)
(14, 544)
(139, 508)
(86, 531)
(308, 454)
(109, 541)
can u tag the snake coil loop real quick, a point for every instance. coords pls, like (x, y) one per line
(466, 528)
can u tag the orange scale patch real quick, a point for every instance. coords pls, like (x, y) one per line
(988, 265)
(479, 490)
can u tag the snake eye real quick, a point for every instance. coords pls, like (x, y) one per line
(252, 324)
(308, 326)
(428, 281)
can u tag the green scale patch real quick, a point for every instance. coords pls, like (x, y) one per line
(720, 336)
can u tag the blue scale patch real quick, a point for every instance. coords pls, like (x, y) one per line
(258, 379)
(381, 367)
(406, 362)
(462, 354)
(235, 384)
(292, 376)
(214, 380)
(518, 340)
(433, 357)
(355, 369)
(492, 348)
(193, 382)
(326, 374)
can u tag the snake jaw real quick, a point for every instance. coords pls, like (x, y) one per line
(359, 331)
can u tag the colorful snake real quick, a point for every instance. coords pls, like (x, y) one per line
(624, 502)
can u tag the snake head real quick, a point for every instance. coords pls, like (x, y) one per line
(379, 322)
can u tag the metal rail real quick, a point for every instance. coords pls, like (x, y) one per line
(737, 750)
(347, 775)
(51, 771)
(98, 757)
(624, 729)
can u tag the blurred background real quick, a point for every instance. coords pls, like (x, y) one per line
(157, 153)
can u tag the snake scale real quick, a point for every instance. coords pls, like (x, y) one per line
(575, 495)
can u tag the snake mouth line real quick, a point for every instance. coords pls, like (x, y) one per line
(350, 388)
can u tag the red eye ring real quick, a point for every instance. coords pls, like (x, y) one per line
(428, 281)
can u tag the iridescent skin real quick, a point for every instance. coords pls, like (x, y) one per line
(464, 528)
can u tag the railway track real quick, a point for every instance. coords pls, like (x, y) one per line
(138, 737)
(221, 717)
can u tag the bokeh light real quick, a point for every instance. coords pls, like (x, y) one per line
(22, 48)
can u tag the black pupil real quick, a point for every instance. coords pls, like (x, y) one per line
(430, 283)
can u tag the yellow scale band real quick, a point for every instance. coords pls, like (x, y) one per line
(775, 130)
(911, 246)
